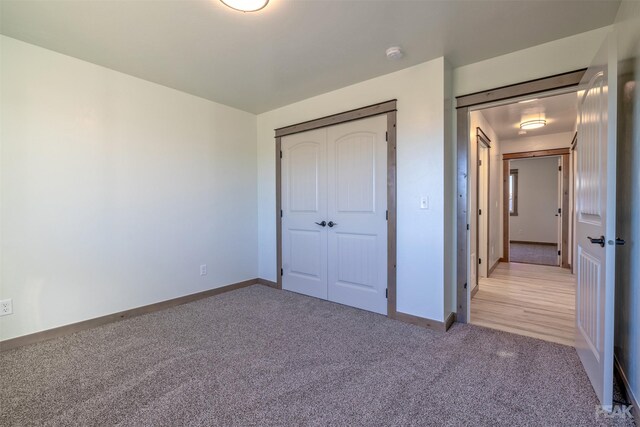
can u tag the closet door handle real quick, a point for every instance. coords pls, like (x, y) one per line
(599, 241)
(331, 223)
(323, 223)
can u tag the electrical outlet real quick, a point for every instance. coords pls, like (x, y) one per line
(6, 307)
(203, 270)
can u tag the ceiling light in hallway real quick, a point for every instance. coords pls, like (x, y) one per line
(533, 124)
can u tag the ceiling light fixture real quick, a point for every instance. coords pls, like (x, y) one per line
(246, 5)
(533, 124)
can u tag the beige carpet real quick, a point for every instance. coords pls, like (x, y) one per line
(533, 253)
(259, 356)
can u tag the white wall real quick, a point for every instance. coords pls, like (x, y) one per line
(556, 57)
(537, 201)
(115, 190)
(420, 91)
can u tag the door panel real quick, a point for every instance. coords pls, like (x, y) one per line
(595, 218)
(560, 213)
(304, 202)
(357, 203)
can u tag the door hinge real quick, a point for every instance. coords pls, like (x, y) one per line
(386, 136)
(558, 253)
(386, 293)
(280, 153)
(465, 286)
(281, 272)
(387, 215)
(479, 162)
(479, 260)
(559, 210)
(560, 168)
(467, 226)
(280, 213)
(479, 211)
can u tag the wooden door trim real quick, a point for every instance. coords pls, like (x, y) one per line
(279, 211)
(545, 84)
(339, 118)
(563, 153)
(463, 106)
(482, 139)
(538, 153)
(387, 108)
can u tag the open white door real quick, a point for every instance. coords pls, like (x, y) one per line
(559, 212)
(595, 222)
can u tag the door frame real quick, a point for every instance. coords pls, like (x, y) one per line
(563, 153)
(483, 139)
(387, 108)
(464, 104)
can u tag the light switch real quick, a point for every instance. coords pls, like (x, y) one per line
(424, 202)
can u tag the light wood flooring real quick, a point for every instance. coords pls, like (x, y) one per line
(533, 300)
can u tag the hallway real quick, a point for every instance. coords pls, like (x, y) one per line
(533, 300)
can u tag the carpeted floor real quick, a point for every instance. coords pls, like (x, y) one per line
(533, 253)
(259, 356)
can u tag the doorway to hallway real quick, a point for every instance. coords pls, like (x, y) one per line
(519, 227)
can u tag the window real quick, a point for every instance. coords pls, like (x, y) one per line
(513, 192)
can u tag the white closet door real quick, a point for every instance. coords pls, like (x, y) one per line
(357, 204)
(304, 203)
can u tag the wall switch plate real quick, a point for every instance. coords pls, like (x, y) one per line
(203, 270)
(424, 202)
(6, 307)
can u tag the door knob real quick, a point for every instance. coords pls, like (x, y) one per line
(599, 241)
(323, 223)
(331, 223)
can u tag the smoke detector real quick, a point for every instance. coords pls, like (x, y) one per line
(394, 53)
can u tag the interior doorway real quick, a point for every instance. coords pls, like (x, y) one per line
(519, 223)
(537, 205)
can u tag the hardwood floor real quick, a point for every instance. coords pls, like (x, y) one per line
(533, 300)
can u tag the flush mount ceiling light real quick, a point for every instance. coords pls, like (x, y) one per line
(533, 124)
(246, 5)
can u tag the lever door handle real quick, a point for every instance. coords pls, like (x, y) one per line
(323, 223)
(599, 241)
(331, 223)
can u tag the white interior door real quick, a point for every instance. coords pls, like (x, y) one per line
(357, 205)
(483, 210)
(304, 204)
(334, 219)
(559, 212)
(595, 218)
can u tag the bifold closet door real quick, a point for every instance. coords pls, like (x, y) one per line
(304, 205)
(357, 204)
(334, 202)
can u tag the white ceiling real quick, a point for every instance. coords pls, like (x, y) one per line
(293, 49)
(560, 112)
